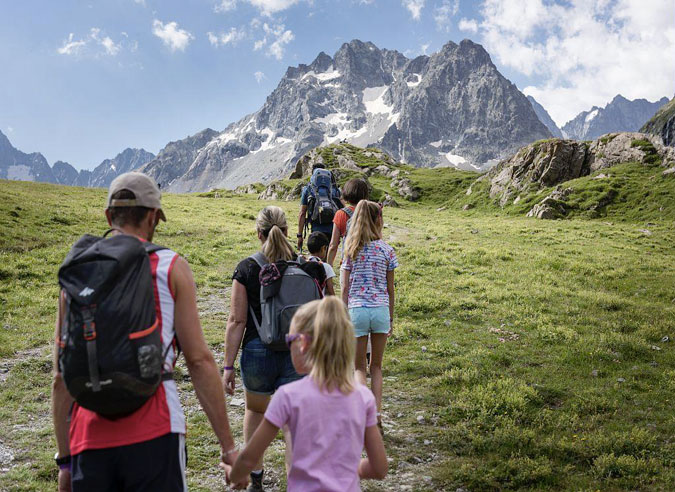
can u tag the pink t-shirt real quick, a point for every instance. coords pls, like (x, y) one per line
(327, 431)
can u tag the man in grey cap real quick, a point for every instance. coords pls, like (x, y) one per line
(146, 449)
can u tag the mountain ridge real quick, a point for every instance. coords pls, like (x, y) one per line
(619, 115)
(427, 111)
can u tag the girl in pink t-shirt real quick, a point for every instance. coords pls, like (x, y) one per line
(331, 417)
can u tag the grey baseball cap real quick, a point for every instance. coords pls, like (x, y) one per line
(144, 188)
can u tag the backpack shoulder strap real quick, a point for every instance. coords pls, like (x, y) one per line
(153, 248)
(259, 258)
(348, 211)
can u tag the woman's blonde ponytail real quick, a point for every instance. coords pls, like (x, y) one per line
(271, 224)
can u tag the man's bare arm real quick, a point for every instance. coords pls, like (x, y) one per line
(199, 359)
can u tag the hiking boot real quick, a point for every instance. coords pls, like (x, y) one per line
(256, 484)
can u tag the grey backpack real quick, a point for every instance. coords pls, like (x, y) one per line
(280, 300)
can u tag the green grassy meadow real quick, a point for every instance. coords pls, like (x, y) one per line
(527, 354)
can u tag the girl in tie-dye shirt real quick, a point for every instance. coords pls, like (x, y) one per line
(368, 290)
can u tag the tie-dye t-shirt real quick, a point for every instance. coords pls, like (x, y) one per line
(368, 274)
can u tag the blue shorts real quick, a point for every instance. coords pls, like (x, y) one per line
(264, 370)
(370, 320)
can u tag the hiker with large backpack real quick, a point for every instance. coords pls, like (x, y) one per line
(127, 307)
(319, 201)
(267, 288)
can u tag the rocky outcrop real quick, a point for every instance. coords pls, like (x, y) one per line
(551, 162)
(345, 161)
(620, 115)
(405, 188)
(551, 207)
(663, 124)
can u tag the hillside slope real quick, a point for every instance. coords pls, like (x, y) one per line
(526, 355)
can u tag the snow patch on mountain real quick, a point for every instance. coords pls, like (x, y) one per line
(591, 115)
(416, 82)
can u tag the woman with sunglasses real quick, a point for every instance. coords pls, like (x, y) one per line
(330, 415)
(367, 275)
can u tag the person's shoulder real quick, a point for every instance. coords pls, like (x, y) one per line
(364, 393)
(296, 387)
(384, 245)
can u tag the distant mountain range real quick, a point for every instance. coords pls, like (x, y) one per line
(620, 115)
(15, 164)
(452, 108)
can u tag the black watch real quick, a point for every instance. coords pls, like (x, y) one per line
(298, 235)
(61, 461)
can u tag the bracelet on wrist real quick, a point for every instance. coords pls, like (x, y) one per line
(229, 368)
(223, 454)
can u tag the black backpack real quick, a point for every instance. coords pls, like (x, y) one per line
(110, 351)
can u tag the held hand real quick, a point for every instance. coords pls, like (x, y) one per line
(64, 480)
(228, 381)
(391, 328)
(227, 460)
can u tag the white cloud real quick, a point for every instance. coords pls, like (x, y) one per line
(415, 7)
(424, 48)
(171, 35)
(140, 2)
(10, 129)
(276, 38)
(233, 36)
(276, 49)
(226, 6)
(71, 47)
(259, 76)
(468, 25)
(582, 53)
(269, 7)
(444, 13)
(90, 44)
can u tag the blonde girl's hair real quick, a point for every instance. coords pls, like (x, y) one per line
(363, 228)
(271, 224)
(332, 351)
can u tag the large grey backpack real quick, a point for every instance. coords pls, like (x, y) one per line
(296, 288)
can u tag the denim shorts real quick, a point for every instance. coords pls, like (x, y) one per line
(369, 320)
(263, 370)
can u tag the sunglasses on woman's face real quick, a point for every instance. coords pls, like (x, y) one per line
(290, 338)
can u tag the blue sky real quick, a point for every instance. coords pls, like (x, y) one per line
(83, 79)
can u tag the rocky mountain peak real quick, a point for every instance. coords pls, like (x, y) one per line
(321, 63)
(452, 108)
